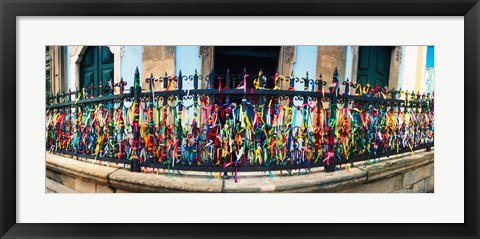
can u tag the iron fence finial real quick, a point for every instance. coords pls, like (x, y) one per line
(180, 80)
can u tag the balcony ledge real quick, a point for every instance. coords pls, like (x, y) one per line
(401, 173)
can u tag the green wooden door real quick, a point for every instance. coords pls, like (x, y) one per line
(374, 65)
(96, 68)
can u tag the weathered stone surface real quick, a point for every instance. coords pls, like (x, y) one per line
(385, 185)
(157, 60)
(206, 54)
(429, 184)
(250, 185)
(85, 187)
(149, 182)
(78, 169)
(52, 186)
(62, 179)
(419, 187)
(103, 189)
(312, 182)
(285, 63)
(418, 174)
(403, 174)
(395, 60)
(396, 165)
(329, 57)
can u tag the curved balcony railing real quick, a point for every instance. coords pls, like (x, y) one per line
(230, 127)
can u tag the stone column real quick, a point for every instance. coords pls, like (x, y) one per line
(395, 67)
(157, 60)
(118, 52)
(329, 57)
(207, 60)
(355, 50)
(57, 70)
(53, 83)
(285, 62)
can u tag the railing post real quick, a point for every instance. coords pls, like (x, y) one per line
(347, 87)
(180, 86)
(321, 84)
(180, 81)
(211, 80)
(211, 85)
(91, 91)
(228, 80)
(261, 80)
(306, 82)
(100, 90)
(244, 133)
(78, 93)
(292, 82)
(330, 167)
(305, 98)
(135, 166)
(195, 80)
(179, 116)
(227, 83)
(122, 86)
(260, 99)
(111, 87)
(165, 81)
(149, 147)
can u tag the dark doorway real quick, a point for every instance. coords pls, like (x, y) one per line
(374, 65)
(253, 58)
(96, 68)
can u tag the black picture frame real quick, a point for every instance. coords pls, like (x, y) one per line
(11, 9)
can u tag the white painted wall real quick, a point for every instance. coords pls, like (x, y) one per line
(423, 82)
(409, 73)
(401, 68)
(349, 63)
(67, 69)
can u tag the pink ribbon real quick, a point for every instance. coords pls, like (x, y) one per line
(328, 158)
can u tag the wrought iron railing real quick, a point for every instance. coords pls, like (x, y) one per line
(230, 127)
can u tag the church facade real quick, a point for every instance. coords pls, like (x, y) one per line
(401, 67)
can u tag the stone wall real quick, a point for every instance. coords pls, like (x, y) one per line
(329, 57)
(395, 60)
(407, 173)
(398, 176)
(157, 60)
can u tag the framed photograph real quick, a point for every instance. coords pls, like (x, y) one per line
(252, 119)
